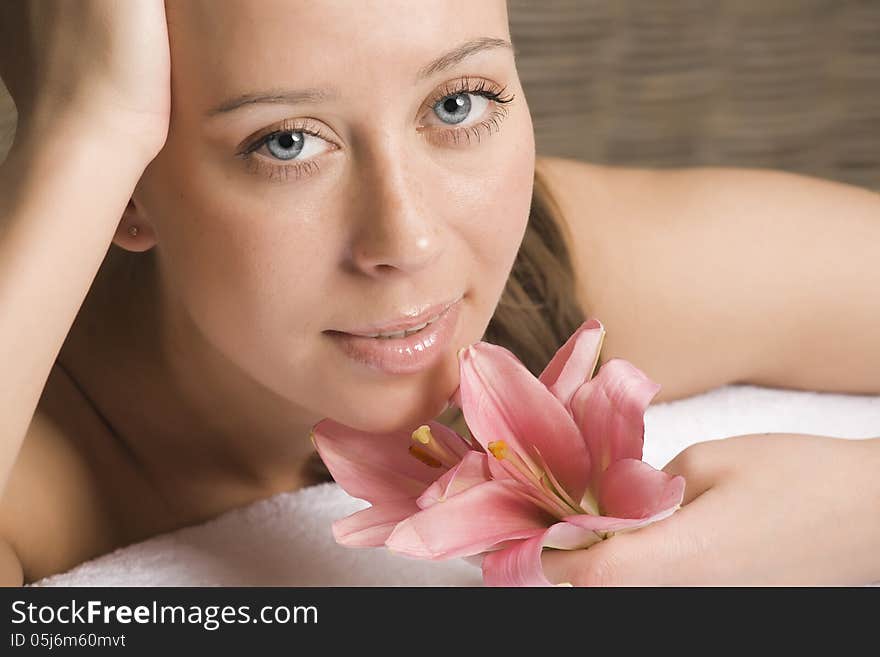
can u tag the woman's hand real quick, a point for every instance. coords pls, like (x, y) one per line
(104, 64)
(766, 509)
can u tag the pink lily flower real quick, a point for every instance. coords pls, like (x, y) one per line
(556, 463)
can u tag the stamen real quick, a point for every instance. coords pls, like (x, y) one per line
(422, 434)
(512, 459)
(424, 457)
(498, 449)
(552, 492)
(429, 445)
(534, 490)
(521, 462)
(590, 504)
(549, 503)
(552, 484)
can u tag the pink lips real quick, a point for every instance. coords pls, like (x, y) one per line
(403, 323)
(406, 355)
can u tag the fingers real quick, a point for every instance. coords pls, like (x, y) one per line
(667, 553)
(672, 552)
(693, 464)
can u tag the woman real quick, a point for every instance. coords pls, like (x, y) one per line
(330, 169)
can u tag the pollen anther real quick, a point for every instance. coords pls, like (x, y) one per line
(423, 434)
(498, 449)
(428, 444)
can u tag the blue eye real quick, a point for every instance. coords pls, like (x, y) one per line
(455, 109)
(298, 142)
(285, 145)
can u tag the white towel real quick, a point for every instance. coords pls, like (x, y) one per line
(286, 541)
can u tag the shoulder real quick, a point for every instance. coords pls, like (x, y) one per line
(599, 201)
(56, 510)
(594, 201)
(698, 273)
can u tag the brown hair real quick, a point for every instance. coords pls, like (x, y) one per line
(538, 309)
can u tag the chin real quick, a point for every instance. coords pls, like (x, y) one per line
(389, 412)
(382, 424)
(399, 404)
(388, 420)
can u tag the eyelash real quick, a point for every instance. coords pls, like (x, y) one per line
(464, 85)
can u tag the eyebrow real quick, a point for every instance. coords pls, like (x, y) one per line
(313, 95)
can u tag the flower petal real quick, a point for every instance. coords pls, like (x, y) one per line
(501, 400)
(520, 564)
(455, 399)
(610, 412)
(450, 438)
(612, 524)
(472, 470)
(469, 523)
(574, 362)
(633, 494)
(372, 526)
(530, 487)
(630, 488)
(374, 467)
(567, 536)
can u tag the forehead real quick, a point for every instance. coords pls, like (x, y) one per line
(221, 48)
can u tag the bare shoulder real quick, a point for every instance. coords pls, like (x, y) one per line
(603, 209)
(703, 276)
(63, 502)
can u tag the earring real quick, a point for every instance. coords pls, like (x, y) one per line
(133, 231)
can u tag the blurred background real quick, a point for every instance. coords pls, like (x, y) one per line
(784, 84)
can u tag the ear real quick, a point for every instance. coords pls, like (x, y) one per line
(135, 231)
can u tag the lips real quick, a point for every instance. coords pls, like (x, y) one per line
(407, 355)
(407, 321)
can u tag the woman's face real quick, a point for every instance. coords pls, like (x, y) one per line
(388, 192)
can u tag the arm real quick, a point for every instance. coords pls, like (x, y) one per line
(61, 198)
(93, 110)
(711, 276)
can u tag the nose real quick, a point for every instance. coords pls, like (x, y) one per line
(395, 230)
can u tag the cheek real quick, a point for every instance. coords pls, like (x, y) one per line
(500, 211)
(247, 274)
(505, 186)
